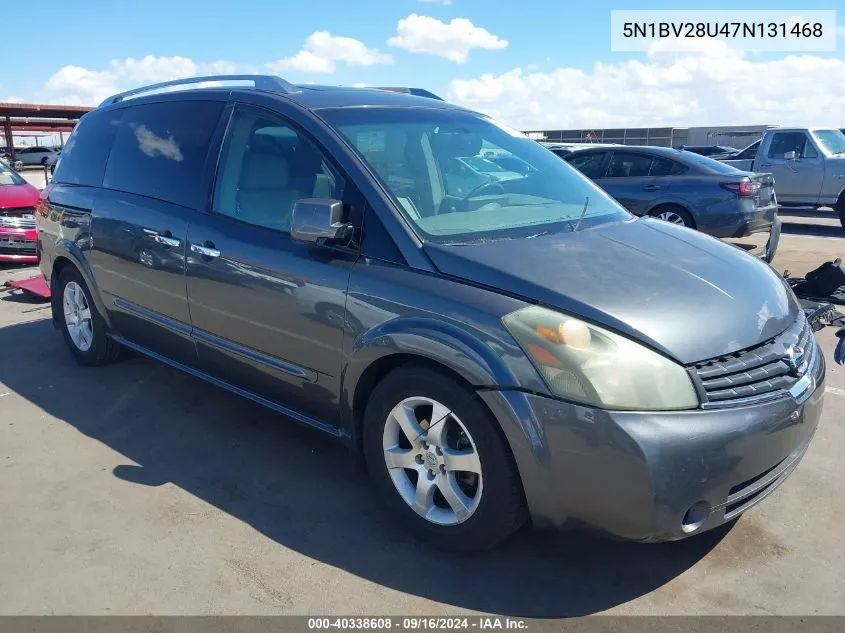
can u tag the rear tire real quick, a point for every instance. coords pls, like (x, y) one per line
(83, 327)
(673, 214)
(490, 503)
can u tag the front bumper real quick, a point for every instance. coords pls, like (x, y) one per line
(653, 476)
(18, 245)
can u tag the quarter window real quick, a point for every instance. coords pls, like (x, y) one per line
(83, 159)
(266, 166)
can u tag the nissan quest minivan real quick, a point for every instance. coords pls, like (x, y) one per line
(520, 350)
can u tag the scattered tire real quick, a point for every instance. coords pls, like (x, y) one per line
(439, 461)
(673, 214)
(82, 325)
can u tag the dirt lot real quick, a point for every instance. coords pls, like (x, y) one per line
(135, 489)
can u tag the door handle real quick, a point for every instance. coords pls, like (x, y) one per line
(167, 241)
(165, 238)
(651, 187)
(206, 250)
(766, 165)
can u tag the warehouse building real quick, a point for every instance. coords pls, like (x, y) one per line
(738, 136)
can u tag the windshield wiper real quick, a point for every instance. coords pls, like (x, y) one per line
(583, 212)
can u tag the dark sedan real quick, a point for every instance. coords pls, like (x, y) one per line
(685, 188)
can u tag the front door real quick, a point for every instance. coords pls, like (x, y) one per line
(268, 312)
(798, 180)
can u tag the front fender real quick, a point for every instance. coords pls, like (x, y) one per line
(70, 251)
(483, 364)
(437, 341)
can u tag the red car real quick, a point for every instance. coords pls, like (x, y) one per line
(18, 199)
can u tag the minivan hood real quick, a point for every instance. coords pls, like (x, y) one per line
(684, 293)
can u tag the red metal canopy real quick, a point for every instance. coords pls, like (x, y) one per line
(37, 117)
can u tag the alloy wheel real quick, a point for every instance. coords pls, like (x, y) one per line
(432, 460)
(671, 217)
(78, 316)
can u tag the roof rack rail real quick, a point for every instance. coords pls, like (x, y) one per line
(418, 92)
(261, 82)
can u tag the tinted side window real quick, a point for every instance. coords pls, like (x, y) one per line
(267, 165)
(625, 165)
(662, 167)
(591, 165)
(83, 159)
(160, 148)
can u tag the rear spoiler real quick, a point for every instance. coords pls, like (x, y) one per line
(417, 92)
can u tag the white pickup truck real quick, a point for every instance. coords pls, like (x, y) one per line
(808, 165)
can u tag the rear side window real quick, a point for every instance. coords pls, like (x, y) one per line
(625, 165)
(83, 159)
(160, 149)
(666, 167)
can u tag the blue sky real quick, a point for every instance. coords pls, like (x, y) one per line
(522, 61)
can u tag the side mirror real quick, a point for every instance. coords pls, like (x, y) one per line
(790, 156)
(318, 220)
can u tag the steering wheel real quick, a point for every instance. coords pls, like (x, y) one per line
(495, 188)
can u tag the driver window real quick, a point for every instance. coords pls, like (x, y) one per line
(266, 165)
(784, 142)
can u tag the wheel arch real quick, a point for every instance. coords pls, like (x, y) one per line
(672, 203)
(66, 254)
(422, 341)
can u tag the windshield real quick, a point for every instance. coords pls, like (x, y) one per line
(710, 163)
(8, 176)
(833, 141)
(419, 153)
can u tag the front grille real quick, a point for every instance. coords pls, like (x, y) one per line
(765, 371)
(18, 218)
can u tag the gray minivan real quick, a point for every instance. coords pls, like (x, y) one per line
(525, 350)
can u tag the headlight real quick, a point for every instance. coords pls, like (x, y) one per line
(588, 364)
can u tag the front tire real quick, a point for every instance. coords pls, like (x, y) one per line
(439, 461)
(83, 327)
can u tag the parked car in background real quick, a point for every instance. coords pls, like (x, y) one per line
(742, 159)
(18, 199)
(808, 165)
(37, 155)
(709, 150)
(685, 188)
(526, 350)
(562, 150)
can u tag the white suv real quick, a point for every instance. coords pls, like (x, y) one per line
(37, 155)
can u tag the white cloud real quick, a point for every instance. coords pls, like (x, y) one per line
(12, 99)
(709, 84)
(445, 3)
(840, 30)
(322, 51)
(453, 40)
(75, 85)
